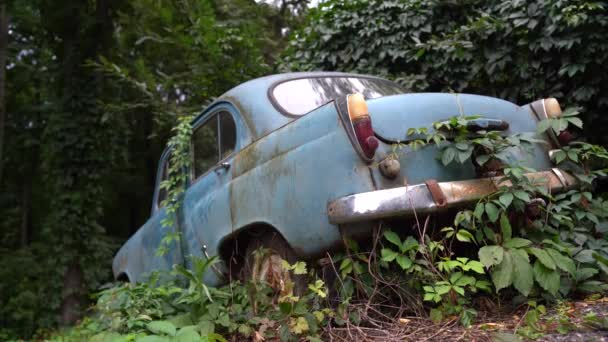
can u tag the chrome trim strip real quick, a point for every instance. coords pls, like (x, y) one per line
(417, 199)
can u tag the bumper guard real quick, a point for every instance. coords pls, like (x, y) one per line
(430, 197)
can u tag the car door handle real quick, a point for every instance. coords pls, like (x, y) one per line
(223, 166)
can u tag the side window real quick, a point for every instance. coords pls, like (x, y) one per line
(227, 134)
(213, 141)
(206, 147)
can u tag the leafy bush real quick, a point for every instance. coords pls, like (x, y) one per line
(516, 50)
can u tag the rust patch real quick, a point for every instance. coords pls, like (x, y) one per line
(436, 193)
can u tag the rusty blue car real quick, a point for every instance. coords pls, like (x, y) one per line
(294, 162)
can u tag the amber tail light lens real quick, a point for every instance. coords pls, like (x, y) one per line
(362, 124)
(554, 110)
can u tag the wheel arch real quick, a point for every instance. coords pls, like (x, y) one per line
(233, 247)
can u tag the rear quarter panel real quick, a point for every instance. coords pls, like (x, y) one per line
(286, 179)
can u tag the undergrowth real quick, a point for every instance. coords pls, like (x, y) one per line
(519, 247)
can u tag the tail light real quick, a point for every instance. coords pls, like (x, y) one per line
(553, 110)
(362, 124)
(550, 108)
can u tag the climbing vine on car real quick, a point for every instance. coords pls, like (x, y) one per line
(178, 167)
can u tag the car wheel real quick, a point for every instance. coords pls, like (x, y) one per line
(263, 262)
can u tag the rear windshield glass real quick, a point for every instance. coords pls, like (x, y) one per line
(300, 96)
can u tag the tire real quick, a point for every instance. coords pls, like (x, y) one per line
(269, 249)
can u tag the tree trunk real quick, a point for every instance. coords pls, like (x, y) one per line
(3, 56)
(72, 302)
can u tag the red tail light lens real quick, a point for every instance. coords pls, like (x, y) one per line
(362, 124)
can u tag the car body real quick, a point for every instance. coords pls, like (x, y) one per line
(288, 161)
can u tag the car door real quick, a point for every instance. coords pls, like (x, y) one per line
(206, 211)
(150, 235)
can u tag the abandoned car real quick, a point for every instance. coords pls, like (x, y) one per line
(291, 162)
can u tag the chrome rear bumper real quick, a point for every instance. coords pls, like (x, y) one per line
(422, 198)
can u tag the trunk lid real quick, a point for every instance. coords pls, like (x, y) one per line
(393, 115)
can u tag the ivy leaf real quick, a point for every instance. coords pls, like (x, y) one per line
(464, 236)
(479, 210)
(543, 125)
(404, 262)
(492, 211)
(559, 156)
(388, 255)
(522, 195)
(543, 257)
(448, 155)
(162, 327)
(517, 243)
(482, 159)
(563, 262)
(505, 226)
(522, 277)
(409, 244)
(546, 278)
(393, 237)
(506, 199)
(576, 122)
(490, 255)
(502, 275)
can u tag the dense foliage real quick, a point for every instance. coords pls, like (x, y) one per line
(515, 50)
(93, 89)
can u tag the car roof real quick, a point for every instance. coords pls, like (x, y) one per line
(252, 101)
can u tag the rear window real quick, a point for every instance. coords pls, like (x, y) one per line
(300, 96)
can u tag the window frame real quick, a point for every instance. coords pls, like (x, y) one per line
(162, 165)
(201, 122)
(275, 103)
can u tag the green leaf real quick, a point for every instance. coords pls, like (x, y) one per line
(505, 226)
(506, 199)
(393, 237)
(543, 257)
(409, 244)
(492, 212)
(479, 210)
(544, 125)
(517, 243)
(502, 275)
(162, 327)
(490, 255)
(153, 338)
(576, 122)
(564, 263)
(388, 255)
(475, 266)
(546, 278)
(464, 236)
(522, 278)
(522, 195)
(573, 156)
(559, 156)
(448, 155)
(482, 159)
(404, 262)
(187, 334)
